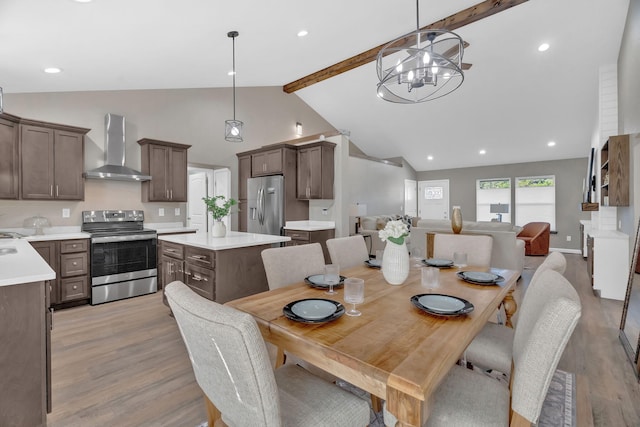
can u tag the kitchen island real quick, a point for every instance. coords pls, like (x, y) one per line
(24, 335)
(218, 268)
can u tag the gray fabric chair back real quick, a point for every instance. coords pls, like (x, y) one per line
(291, 264)
(554, 261)
(477, 247)
(229, 358)
(548, 316)
(348, 252)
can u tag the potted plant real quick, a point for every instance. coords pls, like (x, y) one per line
(219, 207)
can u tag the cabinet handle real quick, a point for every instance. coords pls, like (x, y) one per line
(57, 192)
(51, 311)
(197, 278)
(200, 258)
(74, 245)
(171, 194)
(167, 194)
(74, 263)
(187, 273)
(170, 250)
(51, 191)
(170, 269)
(75, 287)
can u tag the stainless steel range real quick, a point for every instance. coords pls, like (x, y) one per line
(123, 255)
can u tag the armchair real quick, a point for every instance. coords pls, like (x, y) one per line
(536, 238)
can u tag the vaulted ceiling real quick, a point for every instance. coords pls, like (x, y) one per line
(514, 99)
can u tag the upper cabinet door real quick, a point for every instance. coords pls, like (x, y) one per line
(266, 163)
(166, 162)
(68, 151)
(315, 171)
(37, 160)
(9, 159)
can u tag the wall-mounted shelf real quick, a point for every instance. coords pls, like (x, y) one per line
(614, 171)
(590, 206)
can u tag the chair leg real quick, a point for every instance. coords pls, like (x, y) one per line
(213, 414)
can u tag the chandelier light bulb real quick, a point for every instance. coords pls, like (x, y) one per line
(434, 68)
(399, 67)
(410, 75)
(446, 75)
(427, 58)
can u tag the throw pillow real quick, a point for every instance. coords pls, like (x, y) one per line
(380, 224)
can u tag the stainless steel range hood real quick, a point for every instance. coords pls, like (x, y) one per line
(114, 154)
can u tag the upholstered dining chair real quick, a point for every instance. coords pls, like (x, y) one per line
(477, 247)
(231, 366)
(348, 252)
(468, 398)
(492, 348)
(291, 264)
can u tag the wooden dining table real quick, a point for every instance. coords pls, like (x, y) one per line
(394, 350)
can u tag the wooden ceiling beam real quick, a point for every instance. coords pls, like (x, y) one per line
(450, 23)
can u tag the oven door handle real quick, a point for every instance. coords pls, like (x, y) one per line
(127, 238)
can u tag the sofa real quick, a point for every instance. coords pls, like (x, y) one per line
(507, 251)
(535, 236)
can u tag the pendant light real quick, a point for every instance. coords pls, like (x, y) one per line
(420, 66)
(233, 128)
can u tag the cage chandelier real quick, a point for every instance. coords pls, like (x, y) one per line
(233, 128)
(420, 66)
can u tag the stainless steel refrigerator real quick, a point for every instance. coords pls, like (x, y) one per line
(265, 202)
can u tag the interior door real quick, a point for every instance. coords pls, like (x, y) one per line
(433, 199)
(197, 210)
(410, 197)
(222, 187)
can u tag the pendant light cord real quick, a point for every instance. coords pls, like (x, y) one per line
(234, 77)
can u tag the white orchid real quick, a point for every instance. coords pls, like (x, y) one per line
(394, 231)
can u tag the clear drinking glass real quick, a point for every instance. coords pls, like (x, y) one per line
(331, 277)
(416, 256)
(460, 259)
(430, 278)
(353, 294)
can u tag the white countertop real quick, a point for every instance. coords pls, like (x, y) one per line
(310, 225)
(50, 233)
(233, 240)
(169, 227)
(58, 236)
(24, 266)
(608, 234)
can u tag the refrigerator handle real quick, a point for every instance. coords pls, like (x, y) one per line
(260, 206)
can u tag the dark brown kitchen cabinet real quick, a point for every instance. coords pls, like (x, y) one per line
(25, 354)
(166, 163)
(49, 252)
(9, 156)
(303, 237)
(70, 260)
(315, 171)
(52, 161)
(267, 162)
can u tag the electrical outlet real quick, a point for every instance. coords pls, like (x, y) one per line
(177, 212)
(161, 212)
(568, 238)
(325, 211)
(66, 213)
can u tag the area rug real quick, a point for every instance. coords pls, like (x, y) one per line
(558, 410)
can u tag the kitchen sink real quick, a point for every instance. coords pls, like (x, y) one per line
(8, 250)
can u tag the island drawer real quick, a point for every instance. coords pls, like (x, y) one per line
(173, 250)
(297, 234)
(74, 288)
(201, 280)
(73, 264)
(71, 246)
(200, 257)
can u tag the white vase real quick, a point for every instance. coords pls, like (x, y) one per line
(395, 263)
(218, 229)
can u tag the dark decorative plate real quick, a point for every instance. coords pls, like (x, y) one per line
(437, 262)
(442, 305)
(313, 310)
(317, 281)
(373, 263)
(480, 277)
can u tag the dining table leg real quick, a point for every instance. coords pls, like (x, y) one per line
(214, 416)
(409, 411)
(510, 307)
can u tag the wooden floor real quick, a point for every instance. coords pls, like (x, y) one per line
(124, 364)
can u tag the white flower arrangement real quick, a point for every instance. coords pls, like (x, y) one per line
(394, 231)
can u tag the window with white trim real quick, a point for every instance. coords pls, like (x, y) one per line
(494, 191)
(536, 200)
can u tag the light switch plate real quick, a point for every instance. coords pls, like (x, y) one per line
(161, 212)
(177, 212)
(66, 213)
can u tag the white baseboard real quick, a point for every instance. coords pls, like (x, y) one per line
(566, 251)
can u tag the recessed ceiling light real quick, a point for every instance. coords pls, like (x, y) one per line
(83, 1)
(302, 33)
(482, 152)
(429, 157)
(543, 47)
(551, 143)
(52, 70)
(231, 73)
